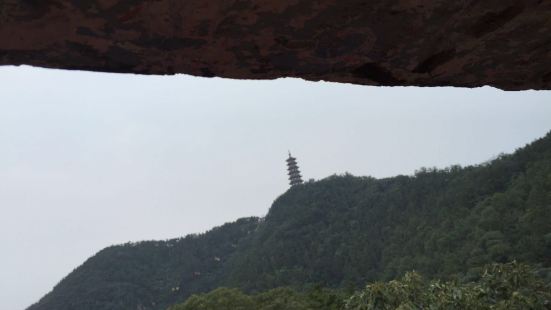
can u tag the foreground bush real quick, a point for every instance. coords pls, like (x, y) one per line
(500, 286)
(275, 299)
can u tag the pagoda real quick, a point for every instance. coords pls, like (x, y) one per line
(294, 173)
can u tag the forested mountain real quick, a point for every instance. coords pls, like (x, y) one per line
(342, 231)
(151, 274)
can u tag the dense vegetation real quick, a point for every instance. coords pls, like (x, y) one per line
(500, 286)
(347, 230)
(340, 232)
(149, 275)
(274, 299)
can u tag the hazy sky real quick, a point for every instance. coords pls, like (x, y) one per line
(88, 160)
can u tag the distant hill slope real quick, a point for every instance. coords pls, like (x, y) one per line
(341, 231)
(151, 274)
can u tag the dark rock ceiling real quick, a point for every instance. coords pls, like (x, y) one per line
(467, 43)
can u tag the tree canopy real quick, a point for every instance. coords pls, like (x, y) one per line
(500, 286)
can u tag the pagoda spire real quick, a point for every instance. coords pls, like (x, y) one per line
(294, 173)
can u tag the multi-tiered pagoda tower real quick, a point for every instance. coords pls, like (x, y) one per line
(294, 173)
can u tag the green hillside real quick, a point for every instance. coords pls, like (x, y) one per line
(340, 232)
(149, 275)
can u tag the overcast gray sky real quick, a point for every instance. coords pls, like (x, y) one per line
(88, 160)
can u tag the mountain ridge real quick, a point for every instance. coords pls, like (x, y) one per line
(339, 231)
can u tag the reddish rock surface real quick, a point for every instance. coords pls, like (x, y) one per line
(468, 43)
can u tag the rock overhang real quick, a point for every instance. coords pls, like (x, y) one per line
(500, 43)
